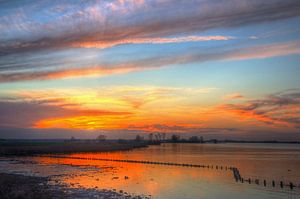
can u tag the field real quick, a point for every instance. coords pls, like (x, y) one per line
(54, 147)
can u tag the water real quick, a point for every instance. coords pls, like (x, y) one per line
(278, 162)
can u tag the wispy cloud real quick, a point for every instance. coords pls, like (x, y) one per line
(110, 107)
(120, 97)
(233, 96)
(158, 40)
(265, 51)
(109, 23)
(147, 109)
(279, 109)
(19, 113)
(192, 56)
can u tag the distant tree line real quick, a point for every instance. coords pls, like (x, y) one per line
(157, 138)
(193, 139)
(153, 138)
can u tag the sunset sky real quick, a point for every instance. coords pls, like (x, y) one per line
(217, 68)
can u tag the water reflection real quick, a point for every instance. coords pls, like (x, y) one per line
(253, 161)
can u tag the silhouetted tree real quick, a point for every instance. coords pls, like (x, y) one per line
(164, 136)
(175, 138)
(214, 141)
(122, 141)
(159, 136)
(139, 138)
(101, 138)
(194, 139)
(201, 140)
(72, 139)
(150, 136)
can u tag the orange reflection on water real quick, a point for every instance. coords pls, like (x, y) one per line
(135, 177)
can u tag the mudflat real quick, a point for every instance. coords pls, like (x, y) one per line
(14, 186)
(19, 186)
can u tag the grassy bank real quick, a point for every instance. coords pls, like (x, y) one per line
(55, 147)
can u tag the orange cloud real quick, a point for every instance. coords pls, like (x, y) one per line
(114, 122)
(244, 115)
(84, 122)
(71, 73)
(144, 108)
(149, 109)
(277, 110)
(157, 40)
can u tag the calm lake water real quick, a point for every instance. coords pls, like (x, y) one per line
(278, 162)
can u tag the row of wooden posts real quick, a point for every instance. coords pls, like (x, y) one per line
(273, 183)
(235, 171)
(238, 178)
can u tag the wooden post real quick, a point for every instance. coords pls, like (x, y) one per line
(257, 181)
(291, 185)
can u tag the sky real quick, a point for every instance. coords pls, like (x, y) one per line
(226, 69)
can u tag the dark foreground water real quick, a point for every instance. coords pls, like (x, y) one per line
(259, 162)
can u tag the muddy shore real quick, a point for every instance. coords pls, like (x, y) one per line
(15, 186)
